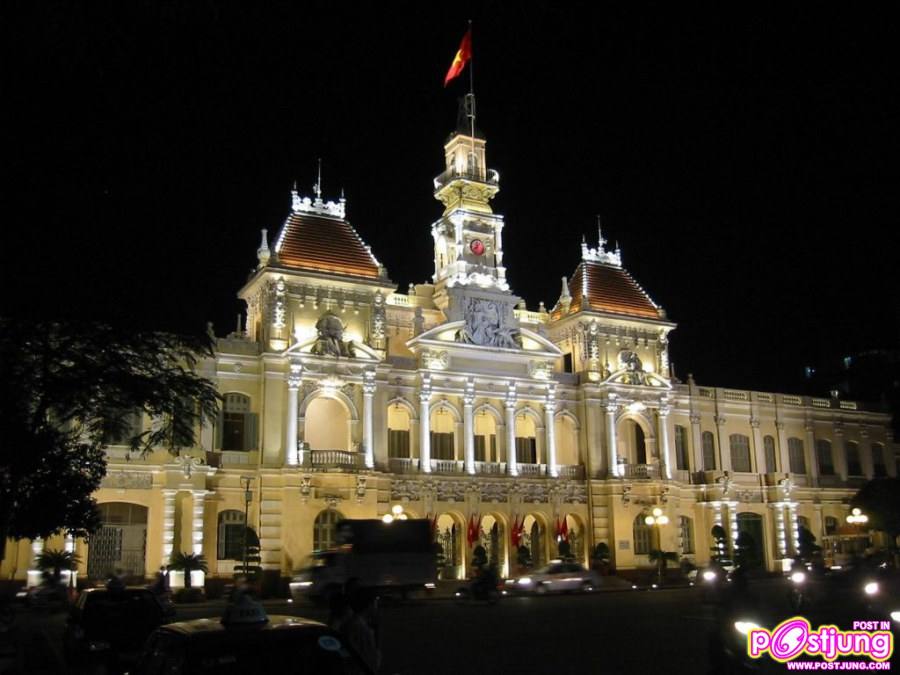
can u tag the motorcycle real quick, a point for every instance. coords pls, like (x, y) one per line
(483, 588)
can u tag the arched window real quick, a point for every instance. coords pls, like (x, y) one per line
(640, 444)
(526, 439)
(327, 425)
(236, 428)
(231, 535)
(740, 452)
(831, 525)
(566, 440)
(854, 464)
(769, 447)
(485, 437)
(709, 451)
(398, 431)
(641, 536)
(681, 448)
(442, 436)
(878, 464)
(687, 535)
(325, 529)
(824, 457)
(795, 455)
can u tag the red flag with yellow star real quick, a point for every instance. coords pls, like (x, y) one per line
(463, 56)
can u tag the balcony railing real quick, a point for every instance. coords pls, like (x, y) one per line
(494, 468)
(475, 173)
(526, 469)
(571, 471)
(446, 466)
(340, 460)
(403, 464)
(640, 471)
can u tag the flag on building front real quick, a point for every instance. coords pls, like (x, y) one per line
(463, 56)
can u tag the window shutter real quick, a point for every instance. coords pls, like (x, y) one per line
(220, 427)
(250, 441)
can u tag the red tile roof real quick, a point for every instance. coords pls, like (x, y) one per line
(609, 289)
(324, 244)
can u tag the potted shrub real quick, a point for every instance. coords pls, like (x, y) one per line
(187, 563)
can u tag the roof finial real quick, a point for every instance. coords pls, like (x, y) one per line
(601, 242)
(263, 254)
(317, 188)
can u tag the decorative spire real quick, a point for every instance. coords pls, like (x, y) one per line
(263, 254)
(295, 198)
(565, 298)
(317, 188)
(601, 242)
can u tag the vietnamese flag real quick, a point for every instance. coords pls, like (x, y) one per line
(463, 56)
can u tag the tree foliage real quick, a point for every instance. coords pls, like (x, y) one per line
(65, 389)
(879, 499)
(187, 563)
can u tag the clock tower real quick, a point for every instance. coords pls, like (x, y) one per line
(468, 243)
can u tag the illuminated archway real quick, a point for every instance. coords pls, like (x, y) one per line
(327, 424)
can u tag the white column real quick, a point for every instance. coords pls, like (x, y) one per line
(839, 454)
(697, 443)
(732, 525)
(812, 461)
(665, 443)
(611, 437)
(368, 435)
(780, 534)
(290, 441)
(168, 529)
(197, 508)
(759, 451)
(512, 464)
(34, 577)
(424, 431)
(469, 427)
(724, 448)
(549, 426)
(795, 526)
(783, 453)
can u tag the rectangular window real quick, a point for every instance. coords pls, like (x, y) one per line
(878, 465)
(854, 464)
(567, 363)
(825, 458)
(769, 445)
(479, 449)
(233, 431)
(740, 452)
(398, 443)
(709, 451)
(442, 445)
(795, 455)
(681, 448)
(526, 450)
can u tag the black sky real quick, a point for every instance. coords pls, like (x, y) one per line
(745, 162)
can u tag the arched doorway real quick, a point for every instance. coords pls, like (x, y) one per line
(121, 542)
(566, 433)
(327, 425)
(449, 536)
(573, 534)
(749, 547)
(492, 537)
(534, 538)
(486, 436)
(526, 439)
(399, 432)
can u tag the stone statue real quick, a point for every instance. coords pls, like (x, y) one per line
(484, 326)
(331, 337)
(634, 369)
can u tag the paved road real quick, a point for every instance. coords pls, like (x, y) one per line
(614, 632)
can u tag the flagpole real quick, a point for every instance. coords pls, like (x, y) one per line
(472, 95)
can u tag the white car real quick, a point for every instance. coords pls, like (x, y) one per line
(557, 577)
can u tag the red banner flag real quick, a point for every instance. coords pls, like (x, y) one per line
(463, 56)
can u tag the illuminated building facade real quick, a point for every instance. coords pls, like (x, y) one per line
(344, 397)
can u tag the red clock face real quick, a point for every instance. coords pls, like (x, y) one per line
(477, 246)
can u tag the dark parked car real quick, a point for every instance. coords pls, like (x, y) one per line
(110, 627)
(248, 644)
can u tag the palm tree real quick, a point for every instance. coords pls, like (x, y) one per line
(662, 558)
(52, 562)
(187, 563)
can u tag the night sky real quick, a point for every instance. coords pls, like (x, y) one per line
(745, 162)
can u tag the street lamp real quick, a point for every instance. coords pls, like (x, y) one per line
(857, 517)
(395, 514)
(248, 497)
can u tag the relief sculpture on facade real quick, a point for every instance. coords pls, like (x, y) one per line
(485, 325)
(330, 341)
